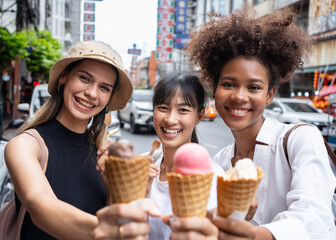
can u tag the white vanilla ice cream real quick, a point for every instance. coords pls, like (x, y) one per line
(243, 169)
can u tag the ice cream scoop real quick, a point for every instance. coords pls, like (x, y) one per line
(192, 158)
(121, 148)
(243, 169)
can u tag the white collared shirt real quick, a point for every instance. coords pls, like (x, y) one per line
(292, 204)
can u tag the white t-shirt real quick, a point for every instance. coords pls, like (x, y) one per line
(160, 195)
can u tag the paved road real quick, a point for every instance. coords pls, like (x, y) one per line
(212, 135)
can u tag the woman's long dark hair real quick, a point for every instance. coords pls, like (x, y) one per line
(192, 91)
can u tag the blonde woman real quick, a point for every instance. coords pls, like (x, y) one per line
(62, 203)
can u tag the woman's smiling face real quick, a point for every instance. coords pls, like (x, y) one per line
(175, 121)
(242, 93)
(88, 88)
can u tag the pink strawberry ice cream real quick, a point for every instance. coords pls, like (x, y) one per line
(192, 158)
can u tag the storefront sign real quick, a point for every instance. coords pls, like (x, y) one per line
(89, 7)
(89, 28)
(89, 17)
(165, 30)
(88, 24)
(182, 40)
(181, 16)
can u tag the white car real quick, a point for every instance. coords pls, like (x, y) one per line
(41, 95)
(138, 111)
(298, 111)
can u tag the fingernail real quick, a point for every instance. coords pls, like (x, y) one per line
(175, 224)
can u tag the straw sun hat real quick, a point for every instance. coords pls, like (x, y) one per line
(97, 51)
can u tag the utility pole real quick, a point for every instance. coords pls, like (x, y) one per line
(20, 20)
(20, 15)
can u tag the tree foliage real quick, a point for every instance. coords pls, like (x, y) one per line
(38, 48)
(11, 46)
(43, 51)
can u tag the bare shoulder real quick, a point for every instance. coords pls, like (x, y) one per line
(22, 146)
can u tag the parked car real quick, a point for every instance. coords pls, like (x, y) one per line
(41, 95)
(138, 111)
(298, 111)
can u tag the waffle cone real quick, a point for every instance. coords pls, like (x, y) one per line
(190, 193)
(236, 194)
(127, 179)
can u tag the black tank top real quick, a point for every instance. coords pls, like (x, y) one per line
(71, 172)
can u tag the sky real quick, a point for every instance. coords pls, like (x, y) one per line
(122, 23)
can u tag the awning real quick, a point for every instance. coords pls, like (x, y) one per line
(319, 68)
(327, 90)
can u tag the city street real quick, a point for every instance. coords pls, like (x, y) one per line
(212, 135)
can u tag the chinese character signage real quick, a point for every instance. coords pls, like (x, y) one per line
(89, 28)
(89, 17)
(166, 3)
(89, 7)
(181, 40)
(165, 30)
(88, 25)
(181, 16)
(88, 37)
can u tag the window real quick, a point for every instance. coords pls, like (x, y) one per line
(299, 107)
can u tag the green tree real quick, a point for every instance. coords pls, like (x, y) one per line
(38, 48)
(43, 51)
(11, 46)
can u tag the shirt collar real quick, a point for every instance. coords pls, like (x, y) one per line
(268, 132)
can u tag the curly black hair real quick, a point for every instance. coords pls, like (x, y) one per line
(274, 40)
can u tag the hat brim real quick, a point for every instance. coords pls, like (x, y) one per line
(120, 94)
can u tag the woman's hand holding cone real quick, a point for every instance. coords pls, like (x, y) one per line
(235, 229)
(191, 228)
(108, 227)
(252, 209)
(154, 172)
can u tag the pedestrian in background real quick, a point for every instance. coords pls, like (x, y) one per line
(244, 58)
(84, 85)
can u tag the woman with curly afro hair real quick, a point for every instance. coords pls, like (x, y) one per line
(244, 58)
